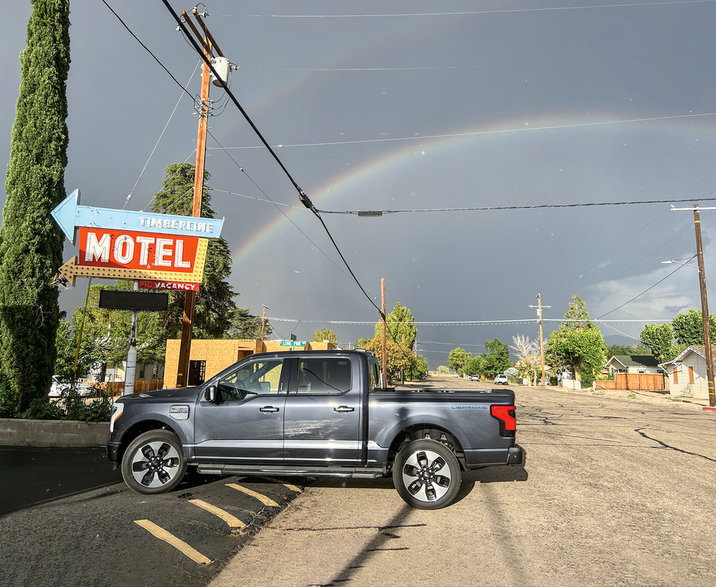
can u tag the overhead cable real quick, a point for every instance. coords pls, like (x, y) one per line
(501, 131)
(646, 290)
(513, 207)
(488, 11)
(305, 200)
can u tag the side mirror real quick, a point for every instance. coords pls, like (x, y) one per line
(212, 394)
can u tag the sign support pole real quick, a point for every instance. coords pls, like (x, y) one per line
(131, 370)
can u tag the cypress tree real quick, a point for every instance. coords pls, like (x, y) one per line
(30, 242)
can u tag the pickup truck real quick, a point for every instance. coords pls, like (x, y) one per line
(313, 413)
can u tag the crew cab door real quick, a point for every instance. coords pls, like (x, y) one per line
(323, 412)
(246, 425)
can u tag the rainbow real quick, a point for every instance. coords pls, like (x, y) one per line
(348, 181)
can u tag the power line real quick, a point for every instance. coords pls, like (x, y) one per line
(526, 128)
(305, 200)
(161, 135)
(646, 290)
(497, 322)
(276, 204)
(514, 207)
(148, 50)
(484, 12)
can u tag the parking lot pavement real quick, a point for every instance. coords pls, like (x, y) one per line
(616, 491)
(30, 476)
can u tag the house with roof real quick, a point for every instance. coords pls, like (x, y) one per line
(632, 364)
(687, 373)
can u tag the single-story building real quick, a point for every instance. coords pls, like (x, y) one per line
(632, 364)
(687, 373)
(209, 357)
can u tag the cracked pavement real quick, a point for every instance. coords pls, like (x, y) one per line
(616, 491)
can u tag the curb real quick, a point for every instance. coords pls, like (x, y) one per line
(52, 433)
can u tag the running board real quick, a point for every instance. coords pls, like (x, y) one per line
(278, 470)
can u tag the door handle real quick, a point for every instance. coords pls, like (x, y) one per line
(343, 409)
(268, 409)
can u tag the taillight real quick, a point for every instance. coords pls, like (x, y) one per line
(506, 416)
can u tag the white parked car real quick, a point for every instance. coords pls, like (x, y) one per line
(57, 388)
(500, 379)
(474, 378)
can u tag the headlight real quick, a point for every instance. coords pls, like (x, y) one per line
(117, 410)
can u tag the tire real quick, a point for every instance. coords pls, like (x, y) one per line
(153, 462)
(427, 475)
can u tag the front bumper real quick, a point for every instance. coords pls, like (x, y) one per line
(516, 455)
(113, 452)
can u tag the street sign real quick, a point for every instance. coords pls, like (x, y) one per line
(139, 301)
(292, 343)
(69, 214)
(170, 285)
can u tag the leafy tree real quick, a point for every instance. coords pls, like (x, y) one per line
(361, 343)
(634, 349)
(659, 339)
(215, 314)
(30, 242)
(400, 340)
(577, 344)
(399, 361)
(400, 324)
(689, 328)
(246, 325)
(109, 330)
(325, 334)
(443, 369)
(476, 365)
(498, 356)
(90, 353)
(577, 317)
(458, 358)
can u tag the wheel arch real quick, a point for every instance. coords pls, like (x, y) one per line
(140, 428)
(423, 430)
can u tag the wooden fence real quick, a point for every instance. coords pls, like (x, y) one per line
(634, 382)
(115, 388)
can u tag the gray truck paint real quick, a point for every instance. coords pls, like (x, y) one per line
(336, 433)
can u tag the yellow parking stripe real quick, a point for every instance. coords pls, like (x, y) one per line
(180, 545)
(262, 498)
(295, 488)
(232, 521)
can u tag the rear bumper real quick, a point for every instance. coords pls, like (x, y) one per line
(516, 455)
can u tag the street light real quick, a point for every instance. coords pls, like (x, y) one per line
(704, 310)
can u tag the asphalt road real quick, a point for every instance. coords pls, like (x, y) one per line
(63, 524)
(615, 492)
(30, 476)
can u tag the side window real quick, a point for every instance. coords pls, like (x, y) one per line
(330, 375)
(373, 375)
(254, 378)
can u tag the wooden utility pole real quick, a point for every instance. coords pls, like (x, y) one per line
(704, 302)
(190, 296)
(263, 322)
(384, 343)
(539, 307)
(704, 308)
